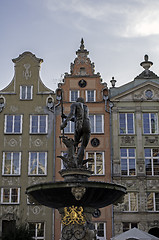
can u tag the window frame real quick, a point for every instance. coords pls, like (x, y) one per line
(149, 123)
(36, 237)
(26, 92)
(130, 225)
(70, 94)
(128, 158)
(153, 201)
(95, 123)
(12, 160)
(38, 124)
(10, 196)
(126, 123)
(94, 95)
(104, 229)
(95, 162)
(37, 164)
(13, 124)
(152, 164)
(130, 200)
(70, 126)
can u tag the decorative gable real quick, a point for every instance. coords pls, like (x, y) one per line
(82, 65)
(148, 91)
(26, 76)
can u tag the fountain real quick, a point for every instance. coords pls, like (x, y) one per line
(76, 198)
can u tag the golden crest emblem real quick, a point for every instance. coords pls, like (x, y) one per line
(73, 215)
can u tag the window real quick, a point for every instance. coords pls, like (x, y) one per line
(90, 95)
(10, 195)
(38, 124)
(74, 94)
(126, 122)
(11, 163)
(128, 161)
(37, 230)
(37, 163)
(127, 226)
(153, 201)
(82, 71)
(26, 92)
(70, 127)
(100, 227)
(131, 202)
(63, 164)
(152, 161)
(97, 163)
(13, 124)
(97, 123)
(150, 123)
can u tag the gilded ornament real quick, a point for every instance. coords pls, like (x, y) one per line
(73, 215)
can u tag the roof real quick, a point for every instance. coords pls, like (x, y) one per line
(134, 233)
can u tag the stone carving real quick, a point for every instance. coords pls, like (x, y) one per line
(36, 210)
(152, 184)
(116, 169)
(147, 74)
(36, 142)
(38, 109)
(141, 168)
(27, 72)
(127, 140)
(13, 108)
(148, 93)
(118, 228)
(10, 180)
(151, 140)
(12, 142)
(78, 192)
(2, 103)
(10, 209)
(35, 180)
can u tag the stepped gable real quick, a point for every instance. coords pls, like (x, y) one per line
(82, 65)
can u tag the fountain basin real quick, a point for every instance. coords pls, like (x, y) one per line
(59, 195)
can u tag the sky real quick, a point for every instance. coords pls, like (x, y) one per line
(117, 34)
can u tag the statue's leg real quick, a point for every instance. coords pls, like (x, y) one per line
(80, 155)
(77, 137)
(84, 143)
(85, 138)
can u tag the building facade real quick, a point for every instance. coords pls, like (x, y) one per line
(26, 149)
(135, 136)
(83, 82)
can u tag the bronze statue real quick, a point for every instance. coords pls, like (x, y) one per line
(79, 113)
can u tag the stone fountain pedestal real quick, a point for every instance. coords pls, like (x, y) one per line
(76, 199)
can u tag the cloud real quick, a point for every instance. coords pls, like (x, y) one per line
(143, 21)
(131, 18)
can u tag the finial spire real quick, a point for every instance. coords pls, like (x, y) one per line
(82, 44)
(82, 49)
(146, 57)
(146, 64)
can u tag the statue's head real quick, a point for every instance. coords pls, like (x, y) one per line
(80, 99)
